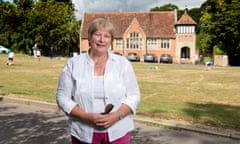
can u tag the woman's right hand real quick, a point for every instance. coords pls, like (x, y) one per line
(90, 118)
(95, 119)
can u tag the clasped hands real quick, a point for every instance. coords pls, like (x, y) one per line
(104, 120)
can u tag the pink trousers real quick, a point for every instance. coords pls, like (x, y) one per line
(102, 138)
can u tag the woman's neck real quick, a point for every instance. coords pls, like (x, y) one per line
(100, 61)
(99, 57)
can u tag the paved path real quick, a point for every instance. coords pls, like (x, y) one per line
(21, 124)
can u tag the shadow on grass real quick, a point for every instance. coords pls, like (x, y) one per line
(217, 115)
(36, 128)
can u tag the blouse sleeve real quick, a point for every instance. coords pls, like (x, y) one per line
(65, 89)
(132, 89)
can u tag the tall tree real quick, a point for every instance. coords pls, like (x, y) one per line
(50, 23)
(54, 25)
(8, 23)
(21, 38)
(222, 28)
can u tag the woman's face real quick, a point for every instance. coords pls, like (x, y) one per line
(101, 41)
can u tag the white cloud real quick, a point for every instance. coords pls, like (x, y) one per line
(128, 5)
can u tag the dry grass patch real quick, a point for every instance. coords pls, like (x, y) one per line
(189, 93)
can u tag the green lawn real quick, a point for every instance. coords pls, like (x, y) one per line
(182, 93)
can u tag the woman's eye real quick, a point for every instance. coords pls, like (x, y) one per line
(107, 36)
(97, 34)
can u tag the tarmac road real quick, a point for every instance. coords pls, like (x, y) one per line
(22, 124)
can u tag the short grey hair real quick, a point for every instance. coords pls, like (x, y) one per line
(100, 23)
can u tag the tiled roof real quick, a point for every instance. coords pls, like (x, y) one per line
(154, 24)
(186, 20)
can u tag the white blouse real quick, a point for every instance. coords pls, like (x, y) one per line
(76, 86)
(99, 95)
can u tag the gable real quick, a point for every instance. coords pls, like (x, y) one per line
(134, 27)
(186, 20)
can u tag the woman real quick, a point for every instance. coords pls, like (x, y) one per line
(93, 81)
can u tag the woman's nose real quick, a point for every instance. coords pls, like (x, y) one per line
(101, 38)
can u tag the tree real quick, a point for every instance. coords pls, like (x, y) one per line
(196, 14)
(24, 4)
(50, 23)
(56, 27)
(8, 23)
(220, 23)
(167, 7)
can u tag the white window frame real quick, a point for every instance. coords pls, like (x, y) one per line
(165, 43)
(152, 43)
(134, 41)
(118, 43)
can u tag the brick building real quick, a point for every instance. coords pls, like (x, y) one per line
(148, 32)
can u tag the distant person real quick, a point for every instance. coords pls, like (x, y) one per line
(98, 91)
(208, 64)
(10, 58)
(38, 53)
(35, 48)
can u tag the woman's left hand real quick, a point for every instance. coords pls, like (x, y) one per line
(107, 120)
